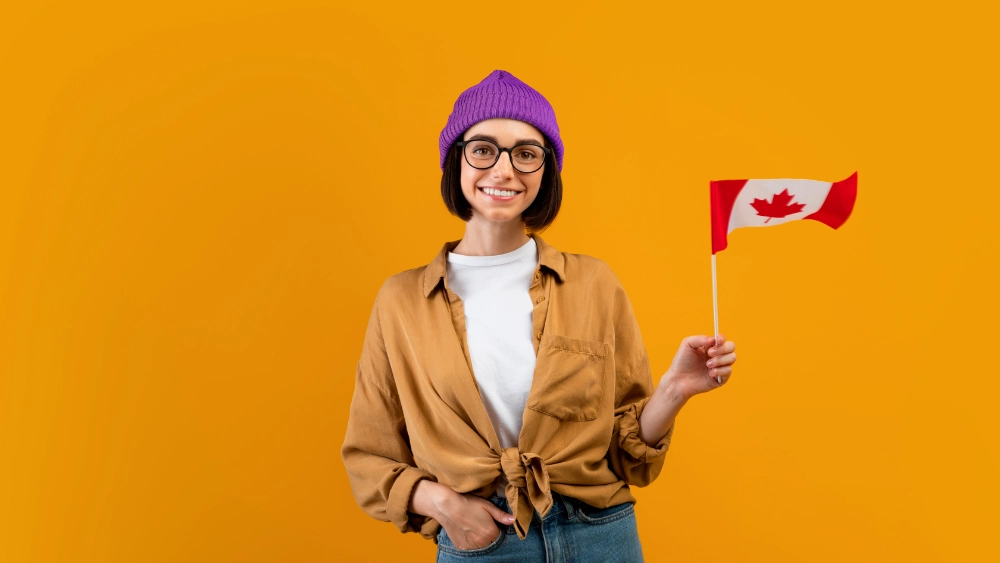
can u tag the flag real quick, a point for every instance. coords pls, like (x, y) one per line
(765, 203)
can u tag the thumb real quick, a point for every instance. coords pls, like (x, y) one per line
(499, 514)
(700, 341)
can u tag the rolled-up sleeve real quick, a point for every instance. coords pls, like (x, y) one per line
(631, 459)
(376, 449)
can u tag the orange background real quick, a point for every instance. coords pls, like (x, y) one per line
(199, 201)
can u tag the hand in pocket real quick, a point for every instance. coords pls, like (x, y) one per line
(470, 521)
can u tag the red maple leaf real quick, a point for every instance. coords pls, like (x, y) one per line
(780, 206)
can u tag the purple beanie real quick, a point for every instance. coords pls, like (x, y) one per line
(501, 94)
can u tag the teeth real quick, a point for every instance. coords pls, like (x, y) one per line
(501, 193)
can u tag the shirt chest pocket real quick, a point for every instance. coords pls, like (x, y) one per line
(570, 374)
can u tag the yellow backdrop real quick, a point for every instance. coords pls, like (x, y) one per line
(199, 201)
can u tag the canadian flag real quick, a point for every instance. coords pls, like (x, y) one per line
(765, 203)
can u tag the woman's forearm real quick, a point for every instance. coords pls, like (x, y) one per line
(659, 413)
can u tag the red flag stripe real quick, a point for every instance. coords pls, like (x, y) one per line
(838, 204)
(723, 196)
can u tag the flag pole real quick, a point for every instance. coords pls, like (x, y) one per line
(715, 308)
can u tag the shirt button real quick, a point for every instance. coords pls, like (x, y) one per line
(540, 299)
(538, 336)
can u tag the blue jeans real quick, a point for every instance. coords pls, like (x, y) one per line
(572, 532)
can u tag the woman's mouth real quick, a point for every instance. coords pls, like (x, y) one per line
(499, 194)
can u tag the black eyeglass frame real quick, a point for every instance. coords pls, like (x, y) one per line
(500, 150)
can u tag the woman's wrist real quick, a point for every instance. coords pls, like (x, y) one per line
(669, 391)
(427, 498)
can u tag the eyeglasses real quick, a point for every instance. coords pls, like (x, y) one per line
(483, 154)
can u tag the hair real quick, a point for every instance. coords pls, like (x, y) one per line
(537, 217)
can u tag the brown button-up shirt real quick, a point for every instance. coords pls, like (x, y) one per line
(417, 413)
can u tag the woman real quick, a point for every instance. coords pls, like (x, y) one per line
(501, 386)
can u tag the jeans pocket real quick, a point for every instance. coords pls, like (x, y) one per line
(594, 515)
(446, 545)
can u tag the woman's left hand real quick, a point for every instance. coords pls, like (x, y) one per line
(697, 364)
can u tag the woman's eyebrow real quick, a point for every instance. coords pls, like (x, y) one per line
(481, 137)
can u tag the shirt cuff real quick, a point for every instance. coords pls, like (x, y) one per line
(628, 436)
(397, 508)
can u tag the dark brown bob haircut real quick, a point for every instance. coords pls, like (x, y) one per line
(537, 217)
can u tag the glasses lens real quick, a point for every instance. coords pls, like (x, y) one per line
(481, 154)
(528, 158)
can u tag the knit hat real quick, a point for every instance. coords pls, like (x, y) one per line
(501, 94)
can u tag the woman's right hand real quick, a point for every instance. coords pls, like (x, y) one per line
(469, 520)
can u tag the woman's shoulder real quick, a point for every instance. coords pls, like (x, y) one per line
(589, 268)
(402, 285)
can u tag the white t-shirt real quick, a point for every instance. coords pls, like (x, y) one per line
(498, 321)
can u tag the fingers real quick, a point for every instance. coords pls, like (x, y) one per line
(724, 371)
(723, 348)
(720, 361)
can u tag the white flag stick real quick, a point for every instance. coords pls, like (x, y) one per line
(715, 307)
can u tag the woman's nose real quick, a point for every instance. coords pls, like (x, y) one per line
(503, 166)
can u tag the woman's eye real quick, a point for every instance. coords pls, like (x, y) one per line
(527, 155)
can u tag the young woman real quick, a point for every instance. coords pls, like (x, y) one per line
(501, 386)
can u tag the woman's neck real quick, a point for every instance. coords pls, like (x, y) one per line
(490, 239)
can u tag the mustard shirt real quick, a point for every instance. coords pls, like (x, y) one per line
(417, 413)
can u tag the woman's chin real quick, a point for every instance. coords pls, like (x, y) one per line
(500, 215)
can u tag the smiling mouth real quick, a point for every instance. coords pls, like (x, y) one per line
(498, 192)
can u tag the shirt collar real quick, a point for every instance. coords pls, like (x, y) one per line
(548, 256)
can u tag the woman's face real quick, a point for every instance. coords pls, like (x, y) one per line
(506, 133)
